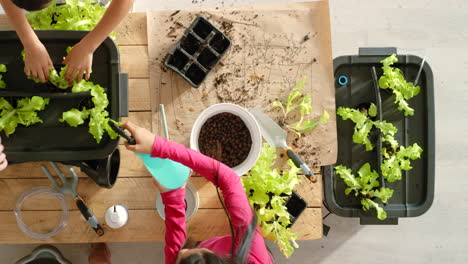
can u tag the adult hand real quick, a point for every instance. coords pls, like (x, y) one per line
(100, 254)
(143, 137)
(79, 62)
(3, 160)
(37, 61)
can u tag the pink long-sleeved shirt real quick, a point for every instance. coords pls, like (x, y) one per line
(234, 198)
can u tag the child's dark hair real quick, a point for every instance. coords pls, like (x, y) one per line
(243, 249)
(32, 5)
(204, 258)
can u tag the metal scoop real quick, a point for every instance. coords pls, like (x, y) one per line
(69, 187)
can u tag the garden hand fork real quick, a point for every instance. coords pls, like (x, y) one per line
(69, 187)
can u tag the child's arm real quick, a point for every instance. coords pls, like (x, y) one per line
(3, 160)
(37, 60)
(80, 59)
(221, 175)
(174, 211)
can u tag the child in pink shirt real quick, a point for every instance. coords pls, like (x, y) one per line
(249, 246)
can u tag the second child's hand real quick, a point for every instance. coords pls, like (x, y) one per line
(79, 62)
(143, 137)
(37, 61)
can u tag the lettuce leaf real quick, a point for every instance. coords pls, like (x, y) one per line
(3, 69)
(393, 79)
(265, 187)
(397, 158)
(25, 113)
(368, 203)
(364, 124)
(75, 117)
(74, 15)
(365, 187)
(98, 116)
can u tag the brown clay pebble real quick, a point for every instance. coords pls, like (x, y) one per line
(233, 137)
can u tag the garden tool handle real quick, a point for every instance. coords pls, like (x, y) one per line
(89, 217)
(301, 164)
(119, 130)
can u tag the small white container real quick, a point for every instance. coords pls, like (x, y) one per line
(116, 216)
(249, 122)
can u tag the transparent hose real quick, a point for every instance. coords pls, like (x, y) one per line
(38, 191)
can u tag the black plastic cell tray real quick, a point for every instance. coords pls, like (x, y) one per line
(198, 51)
(53, 140)
(413, 195)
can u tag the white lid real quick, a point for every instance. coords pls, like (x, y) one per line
(116, 216)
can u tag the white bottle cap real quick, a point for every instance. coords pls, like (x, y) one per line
(116, 216)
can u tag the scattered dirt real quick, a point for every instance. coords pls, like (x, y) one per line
(226, 91)
(175, 13)
(254, 78)
(204, 97)
(171, 33)
(221, 79)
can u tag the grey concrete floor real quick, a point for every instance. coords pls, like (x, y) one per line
(436, 29)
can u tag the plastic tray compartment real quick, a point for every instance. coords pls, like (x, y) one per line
(413, 195)
(198, 51)
(53, 140)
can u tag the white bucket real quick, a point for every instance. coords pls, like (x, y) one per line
(249, 122)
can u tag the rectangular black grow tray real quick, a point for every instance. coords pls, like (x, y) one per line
(53, 140)
(356, 84)
(198, 51)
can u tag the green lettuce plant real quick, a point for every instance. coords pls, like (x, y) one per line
(74, 15)
(297, 102)
(366, 187)
(397, 158)
(266, 188)
(393, 79)
(3, 69)
(364, 124)
(25, 113)
(98, 116)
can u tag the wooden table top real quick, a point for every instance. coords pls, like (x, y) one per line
(134, 187)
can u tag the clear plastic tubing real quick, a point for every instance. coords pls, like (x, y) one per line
(41, 191)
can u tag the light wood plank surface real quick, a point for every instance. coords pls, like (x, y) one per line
(143, 226)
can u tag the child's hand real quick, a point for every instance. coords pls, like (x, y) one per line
(144, 139)
(79, 62)
(37, 61)
(3, 160)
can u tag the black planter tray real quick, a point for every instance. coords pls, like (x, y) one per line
(413, 195)
(198, 51)
(53, 140)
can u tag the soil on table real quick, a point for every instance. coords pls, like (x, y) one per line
(225, 135)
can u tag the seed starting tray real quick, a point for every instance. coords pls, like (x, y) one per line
(198, 51)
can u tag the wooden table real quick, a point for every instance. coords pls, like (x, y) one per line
(134, 187)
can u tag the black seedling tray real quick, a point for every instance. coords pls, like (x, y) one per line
(198, 51)
(413, 195)
(53, 140)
